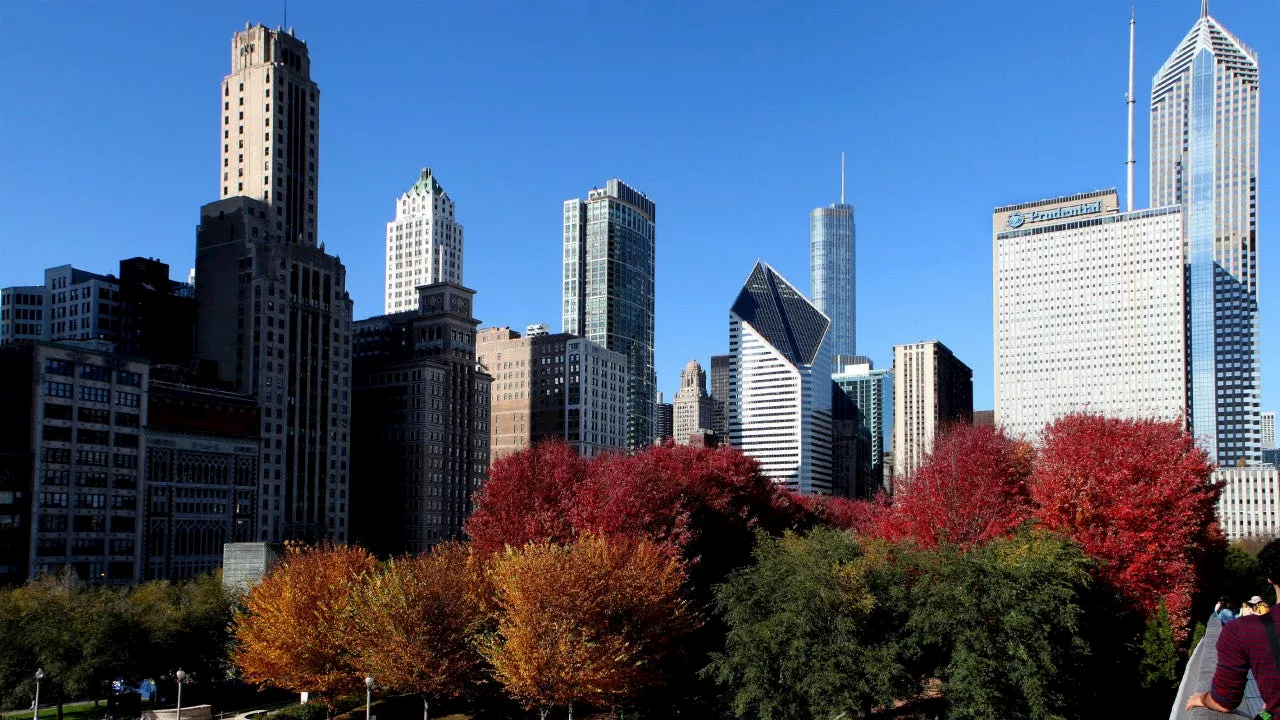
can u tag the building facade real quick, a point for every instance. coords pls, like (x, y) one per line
(1268, 430)
(1089, 312)
(720, 397)
(22, 313)
(421, 423)
(201, 470)
(931, 390)
(609, 288)
(1249, 505)
(665, 427)
(156, 316)
(780, 388)
(75, 423)
(1204, 159)
(271, 131)
(554, 386)
(832, 277)
(692, 409)
(81, 305)
(424, 243)
(871, 393)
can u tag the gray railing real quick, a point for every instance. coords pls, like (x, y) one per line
(1198, 676)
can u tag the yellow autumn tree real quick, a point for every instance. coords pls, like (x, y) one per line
(417, 621)
(587, 623)
(294, 631)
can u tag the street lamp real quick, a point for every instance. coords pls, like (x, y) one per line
(35, 715)
(368, 696)
(181, 676)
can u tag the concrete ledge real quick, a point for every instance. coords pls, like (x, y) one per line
(195, 712)
(1199, 675)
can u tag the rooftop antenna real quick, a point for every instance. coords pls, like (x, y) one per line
(842, 177)
(285, 19)
(1129, 100)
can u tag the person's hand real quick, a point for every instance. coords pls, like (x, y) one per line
(1196, 700)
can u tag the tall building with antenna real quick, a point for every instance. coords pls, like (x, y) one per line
(1204, 159)
(832, 265)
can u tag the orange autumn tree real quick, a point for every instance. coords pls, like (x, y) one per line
(416, 622)
(294, 631)
(587, 623)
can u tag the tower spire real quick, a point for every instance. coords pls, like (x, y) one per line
(1204, 8)
(1129, 162)
(841, 177)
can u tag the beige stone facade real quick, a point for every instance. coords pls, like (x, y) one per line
(508, 358)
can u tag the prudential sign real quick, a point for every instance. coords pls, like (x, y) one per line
(1026, 217)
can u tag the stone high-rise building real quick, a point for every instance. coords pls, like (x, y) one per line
(931, 390)
(1204, 158)
(692, 408)
(421, 423)
(271, 130)
(272, 307)
(424, 243)
(608, 295)
(554, 386)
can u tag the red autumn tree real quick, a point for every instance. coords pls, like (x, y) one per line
(860, 516)
(527, 498)
(417, 622)
(295, 629)
(971, 489)
(586, 623)
(1137, 496)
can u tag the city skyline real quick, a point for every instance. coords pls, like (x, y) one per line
(517, 238)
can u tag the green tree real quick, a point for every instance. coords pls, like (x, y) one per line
(1006, 622)
(1160, 654)
(814, 628)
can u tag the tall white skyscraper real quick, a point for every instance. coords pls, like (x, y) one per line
(1268, 431)
(424, 243)
(271, 130)
(780, 387)
(1088, 311)
(1204, 158)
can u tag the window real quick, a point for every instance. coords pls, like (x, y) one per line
(86, 436)
(54, 366)
(93, 394)
(95, 372)
(91, 458)
(48, 499)
(125, 377)
(126, 399)
(55, 433)
(57, 456)
(54, 411)
(57, 389)
(129, 420)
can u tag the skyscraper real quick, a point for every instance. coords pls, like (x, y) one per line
(931, 390)
(832, 280)
(692, 408)
(424, 243)
(1268, 431)
(271, 129)
(1089, 311)
(780, 382)
(664, 422)
(609, 288)
(720, 397)
(871, 392)
(1204, 158)
(272, 308)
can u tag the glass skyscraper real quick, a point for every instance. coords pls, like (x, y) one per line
(1204, 158)
(609, 288)
(831, 272)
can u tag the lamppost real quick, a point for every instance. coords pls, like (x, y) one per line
(181, 676)
(35, 715)
(368, 696)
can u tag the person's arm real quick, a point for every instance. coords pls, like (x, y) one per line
(1231, 675)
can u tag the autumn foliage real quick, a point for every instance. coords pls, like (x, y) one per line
(586, 623)
(294, 631)
(971, 489)
(527, 498)
(1135, 494)
(416, 621)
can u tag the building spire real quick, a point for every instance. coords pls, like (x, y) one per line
(1130, 160)
(1204, 8)
(841, 177)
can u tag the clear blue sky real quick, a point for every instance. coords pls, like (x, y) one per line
(730, 115)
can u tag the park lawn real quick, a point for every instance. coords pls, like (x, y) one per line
(70, 711)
